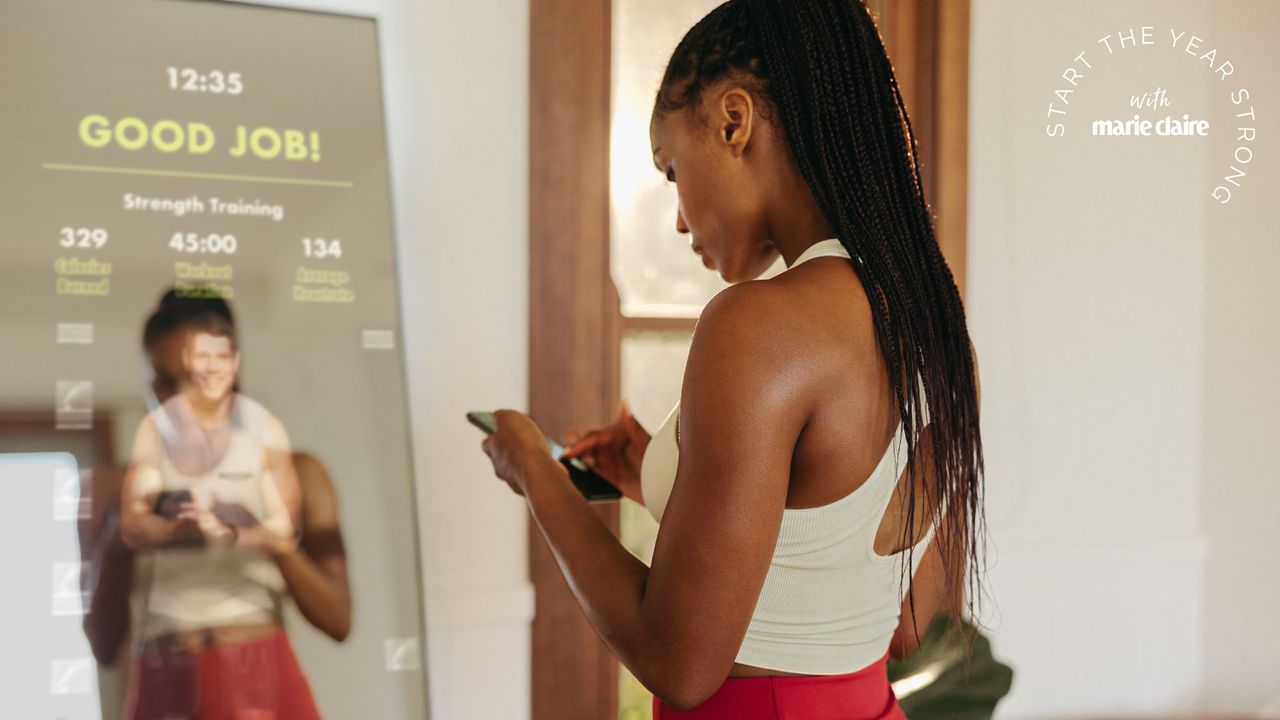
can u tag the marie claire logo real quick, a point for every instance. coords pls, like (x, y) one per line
(1151, 112)
(1138, 126)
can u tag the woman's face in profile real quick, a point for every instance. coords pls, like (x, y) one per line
(718, 200)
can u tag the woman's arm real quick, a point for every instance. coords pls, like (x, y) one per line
(678, 624)
(140, 527)
(282, 494)
(929, 595)
(106, 625)
(109, 568)
(314, 567)
(316, 572)
(938, 585)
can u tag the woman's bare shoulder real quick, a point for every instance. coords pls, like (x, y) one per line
(821, 311)
(759, 307)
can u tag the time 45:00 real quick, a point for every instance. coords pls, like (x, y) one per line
(196, 243)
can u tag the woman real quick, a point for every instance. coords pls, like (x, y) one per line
(788, 531)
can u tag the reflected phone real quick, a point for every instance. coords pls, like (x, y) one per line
(590, 483)
(234, 514)
(169, 502)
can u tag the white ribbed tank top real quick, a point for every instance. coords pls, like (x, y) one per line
(830, 603)
(191, 588)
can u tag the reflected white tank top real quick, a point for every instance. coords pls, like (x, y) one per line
(830, 603)
(192, 588)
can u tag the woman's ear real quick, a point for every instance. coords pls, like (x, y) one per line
(735, 116)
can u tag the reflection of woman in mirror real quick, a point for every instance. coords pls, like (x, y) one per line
(827, 431)
(211, 497)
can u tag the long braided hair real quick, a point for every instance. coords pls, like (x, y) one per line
(821, 67)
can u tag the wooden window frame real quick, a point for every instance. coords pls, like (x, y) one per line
(574, 328)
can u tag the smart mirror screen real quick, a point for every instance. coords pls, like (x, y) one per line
(204, 447)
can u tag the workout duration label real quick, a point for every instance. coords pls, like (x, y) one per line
(1150, 109)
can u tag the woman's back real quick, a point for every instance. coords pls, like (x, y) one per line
(830, 602)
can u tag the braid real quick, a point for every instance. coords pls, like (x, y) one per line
(821, 67)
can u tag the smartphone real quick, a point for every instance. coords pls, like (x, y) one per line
(234, 514)
(169, 503)
(590, 483)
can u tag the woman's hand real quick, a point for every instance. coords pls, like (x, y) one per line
(212, 529)
(187, 527)
(247, 531)
(515, 446)
(259, 538)
(614, 451)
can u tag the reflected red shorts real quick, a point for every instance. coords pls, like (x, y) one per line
(256, 680)
(860, 695)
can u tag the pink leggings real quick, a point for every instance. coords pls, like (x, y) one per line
(860, 695)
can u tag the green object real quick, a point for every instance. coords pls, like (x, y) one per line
(934, 682)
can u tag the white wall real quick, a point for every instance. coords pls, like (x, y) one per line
(1125, 332)
(1240, 481)
(456, 82)
(461, 159)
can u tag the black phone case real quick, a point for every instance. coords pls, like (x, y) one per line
(167, 502)
(590, 483)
